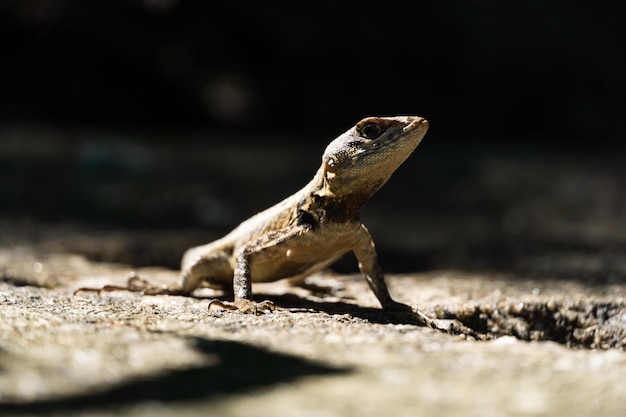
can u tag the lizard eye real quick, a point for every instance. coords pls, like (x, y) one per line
(371, 131)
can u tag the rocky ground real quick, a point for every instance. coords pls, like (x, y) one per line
(519, 259)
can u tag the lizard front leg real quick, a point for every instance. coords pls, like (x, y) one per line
(264, 259)
(367, 257)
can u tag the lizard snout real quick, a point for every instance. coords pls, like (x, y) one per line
(415, 122)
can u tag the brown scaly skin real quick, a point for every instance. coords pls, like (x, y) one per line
(314, 227)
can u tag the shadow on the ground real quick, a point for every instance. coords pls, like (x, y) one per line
(295, 303)
(232, 368)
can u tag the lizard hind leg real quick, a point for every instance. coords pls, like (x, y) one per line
(211, 267)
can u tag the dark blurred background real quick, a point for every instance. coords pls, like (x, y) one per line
(188, 114)
(476, 68)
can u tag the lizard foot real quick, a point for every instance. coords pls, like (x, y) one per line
(446, 326)
(244, 306)
(423, 319)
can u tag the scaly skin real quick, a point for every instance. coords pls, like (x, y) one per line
(314, 227)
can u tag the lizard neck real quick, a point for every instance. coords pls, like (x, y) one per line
(327, 201)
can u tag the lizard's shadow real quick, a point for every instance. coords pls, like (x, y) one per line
(374, 315)
(296, 303)
(230, 368)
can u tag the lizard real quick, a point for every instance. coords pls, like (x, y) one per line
(314, 227)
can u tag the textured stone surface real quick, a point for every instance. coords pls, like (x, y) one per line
(121, 352)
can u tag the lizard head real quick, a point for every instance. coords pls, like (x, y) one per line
(361, 160)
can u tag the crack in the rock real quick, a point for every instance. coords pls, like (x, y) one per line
(581, 323)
